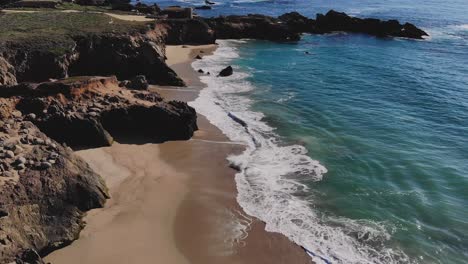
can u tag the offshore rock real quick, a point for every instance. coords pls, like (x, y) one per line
(297, 22)
(251, 26)
(336, 21)
(228, 71)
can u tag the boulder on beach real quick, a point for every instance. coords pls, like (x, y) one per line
(226, 72)
(139, 82)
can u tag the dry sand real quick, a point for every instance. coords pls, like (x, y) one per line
(174, 202)
(130, 17)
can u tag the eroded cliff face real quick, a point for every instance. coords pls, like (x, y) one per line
(7, 72)
(44, 190)
(44, 187)
(125, 55)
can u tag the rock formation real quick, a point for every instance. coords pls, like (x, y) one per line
(228, 71)
(251, 26)
(298, 23)
(289, 26)
(7, 73)
(44, 189)
(134, 50)
(90, 111)
(336, 21)
(187, 31)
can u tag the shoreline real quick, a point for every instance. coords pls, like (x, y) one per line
(196, 217)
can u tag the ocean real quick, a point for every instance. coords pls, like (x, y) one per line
(357, 151)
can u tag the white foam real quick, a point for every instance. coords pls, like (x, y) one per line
(270, 173)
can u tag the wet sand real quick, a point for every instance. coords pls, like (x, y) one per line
(174, 202)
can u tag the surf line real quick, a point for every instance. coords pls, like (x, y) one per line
(312, 254)
(244, 124)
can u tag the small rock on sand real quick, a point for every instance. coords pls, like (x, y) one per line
(9, 154)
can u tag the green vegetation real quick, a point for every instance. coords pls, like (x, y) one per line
(54, 31)
(75, 7)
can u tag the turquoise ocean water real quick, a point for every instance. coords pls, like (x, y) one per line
(359, 150)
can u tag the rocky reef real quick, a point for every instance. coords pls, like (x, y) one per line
(44, 187)
(289, 26)
(336, 21)
(251, 26)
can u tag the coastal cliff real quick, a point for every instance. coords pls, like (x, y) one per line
(51, 97)
(45, 188)
(61, 45)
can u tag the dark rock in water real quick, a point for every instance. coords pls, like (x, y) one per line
(336, 21)
(205, 7)
(187, 31)
(138, 83)
(411, 31)
(201, 71)
(198, 57)
(226, 72)
(209, 2)
(251, 26)
(297, 22)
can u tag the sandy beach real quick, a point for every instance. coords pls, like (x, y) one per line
(174, 202)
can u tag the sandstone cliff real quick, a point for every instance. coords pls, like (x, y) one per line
(44, 188)
(58, 45)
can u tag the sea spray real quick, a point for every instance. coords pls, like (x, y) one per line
(269, 181)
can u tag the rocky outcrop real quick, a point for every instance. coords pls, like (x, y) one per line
(336, 21)
(251, 26)
(44, 187)
(44, 190)
(298, 23)
(92, 111)
(125, 55)
(7, 73)
(187, 31)
(289, 26)
(226, 72)
(138, 83)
